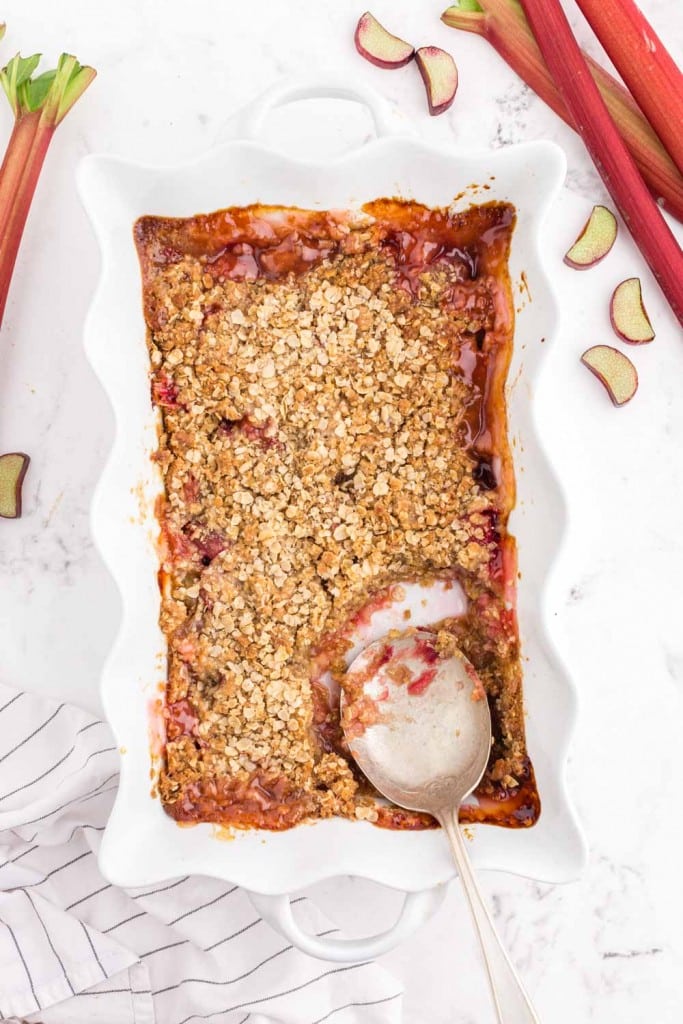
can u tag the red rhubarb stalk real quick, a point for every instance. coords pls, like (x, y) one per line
(645, 64)
(604, 143)
(503, 24)
(39, 105)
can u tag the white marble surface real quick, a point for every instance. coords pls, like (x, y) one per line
(608, 948)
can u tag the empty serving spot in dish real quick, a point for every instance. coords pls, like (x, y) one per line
(419, 604)
(334, 452)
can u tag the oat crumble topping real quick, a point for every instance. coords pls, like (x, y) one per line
(325, 383)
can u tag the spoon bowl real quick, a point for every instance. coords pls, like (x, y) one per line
(417, 721)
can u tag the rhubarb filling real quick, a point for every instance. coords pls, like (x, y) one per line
(332, 433)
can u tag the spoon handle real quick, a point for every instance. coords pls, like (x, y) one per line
(511, 1001)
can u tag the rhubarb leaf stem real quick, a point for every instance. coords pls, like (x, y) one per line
(604, 143)
(645, 64)
(14, 163)
(13, 219)
(39, 104)
(503, 24)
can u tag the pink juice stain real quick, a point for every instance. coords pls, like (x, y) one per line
(155, 727)
(419, 685)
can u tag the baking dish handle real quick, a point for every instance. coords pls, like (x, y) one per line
(387, 120)
(417, 908)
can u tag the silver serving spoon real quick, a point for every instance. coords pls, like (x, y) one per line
(418, 725)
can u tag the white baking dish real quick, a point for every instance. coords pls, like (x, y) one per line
(142, 845)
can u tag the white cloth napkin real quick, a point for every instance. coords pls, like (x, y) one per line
(74, 949)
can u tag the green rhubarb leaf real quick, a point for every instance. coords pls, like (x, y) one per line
(70, 82)
(13, 468)
(35, 90)
(14, 76)
(24, 67)
(468, 15)
(52, 92)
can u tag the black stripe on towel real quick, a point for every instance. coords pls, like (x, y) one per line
(97, 791)
(104, 750)
(239, 977)
(88, 726)
(49, 941)
(34, 733)
(276, 995)
(21, 957)
(165, 888)
(201, 907)
(5, 796)
(11, 701)
(113, 927)
(160, 949)
(94, 951)
(88, 897)
(347, 1006)
(246, 928)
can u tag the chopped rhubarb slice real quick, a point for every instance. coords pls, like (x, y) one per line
(439, 75)
(164, 392)
(628, 315)
(380, 47)
(13, 468)
(595, 241)
(614, 370)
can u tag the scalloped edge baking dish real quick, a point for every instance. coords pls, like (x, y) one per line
(142, 845)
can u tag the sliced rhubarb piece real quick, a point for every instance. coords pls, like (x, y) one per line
(13, 468)
(380, 47)
(614, 370)
(439, 75)
(628, 314)
(595, 241)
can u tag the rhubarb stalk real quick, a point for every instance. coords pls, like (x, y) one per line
(503, 24)
(39, 104)
(604, 143)
(645, 64)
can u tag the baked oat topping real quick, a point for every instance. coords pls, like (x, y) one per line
(333, 423)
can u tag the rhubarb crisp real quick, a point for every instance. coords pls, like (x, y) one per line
(333, 427)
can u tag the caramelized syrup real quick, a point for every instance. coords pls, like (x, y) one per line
(471, 247)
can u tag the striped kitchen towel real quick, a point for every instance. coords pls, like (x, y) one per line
(75, 949)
